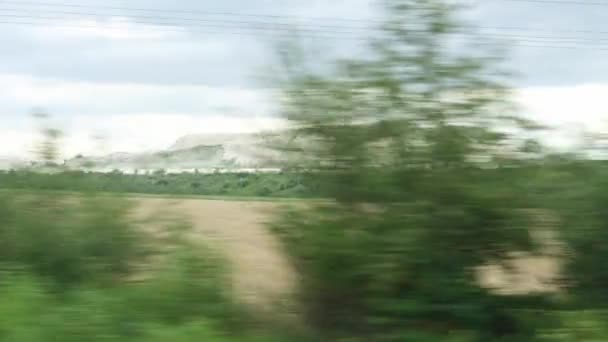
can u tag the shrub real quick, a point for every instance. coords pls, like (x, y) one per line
(86, 247)
(69, 239)
(164, 307)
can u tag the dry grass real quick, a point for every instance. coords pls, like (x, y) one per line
(261, 275)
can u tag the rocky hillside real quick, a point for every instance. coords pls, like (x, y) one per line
(201, 151)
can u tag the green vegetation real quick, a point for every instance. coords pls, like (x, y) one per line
(411, 145)
(422, 185)
(79, 269)
(67, 240)
(287, 185)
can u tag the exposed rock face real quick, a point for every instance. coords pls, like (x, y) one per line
(200, 151)
(245, 150)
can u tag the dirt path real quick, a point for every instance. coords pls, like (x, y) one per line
(261, 274)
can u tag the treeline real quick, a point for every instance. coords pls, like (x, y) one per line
(287, 185)
(533, 178)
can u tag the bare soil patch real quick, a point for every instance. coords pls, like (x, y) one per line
(261, 275)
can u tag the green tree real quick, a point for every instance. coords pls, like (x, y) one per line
(48, 148)
(401, 140)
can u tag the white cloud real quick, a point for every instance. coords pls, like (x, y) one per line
(131, 133)
(111, 28)
(30, 90)
(136, 117)
(133, 117)
(570, 110)
(562, 105)
(15, 143)
(85, 98)
(140, 83)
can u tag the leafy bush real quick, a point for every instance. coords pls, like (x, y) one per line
(70, 240)
(136, 312)
(404, 142)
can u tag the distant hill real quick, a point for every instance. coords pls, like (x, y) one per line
(7, 163)
(199, 151)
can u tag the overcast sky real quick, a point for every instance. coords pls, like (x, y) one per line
(143, 78)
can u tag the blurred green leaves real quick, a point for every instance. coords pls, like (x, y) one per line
(407, 142)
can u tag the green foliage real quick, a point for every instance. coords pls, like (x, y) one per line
(182, 312)
(576, 189)
(191, 283)
(578, 325)
(76, 268)
(423, 185)
(406, 142)
(291, 185)
(70, 240)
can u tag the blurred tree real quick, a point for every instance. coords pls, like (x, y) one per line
(48, 148)
(401, 140)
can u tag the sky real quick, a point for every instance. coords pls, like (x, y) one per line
(142, 73)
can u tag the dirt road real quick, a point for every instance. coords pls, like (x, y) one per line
(261, 274)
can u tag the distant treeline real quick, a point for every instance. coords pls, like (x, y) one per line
(534, 179)
(289, 185)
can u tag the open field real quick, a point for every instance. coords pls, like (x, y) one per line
(260, 270)
(261, 275)
(238, 228)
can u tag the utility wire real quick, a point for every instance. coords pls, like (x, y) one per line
(183, 24)
(220, 30)
(190, 12)
(292, 18)
(174, 27)
(564, 2)
(189, 19)
(259, 26)
(530, 29)
(316, 28)
(186, 21)
(246, 32)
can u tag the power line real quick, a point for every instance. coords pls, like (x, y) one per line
(245, 32)
(220, 29)
(556, 39)
(529, 29)
(194, 20)
(267, 24)
(183, 23)
(189, 12)
(564, 2)
(171, 28)
(178, 25)
(260, 26)
(291, 18)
